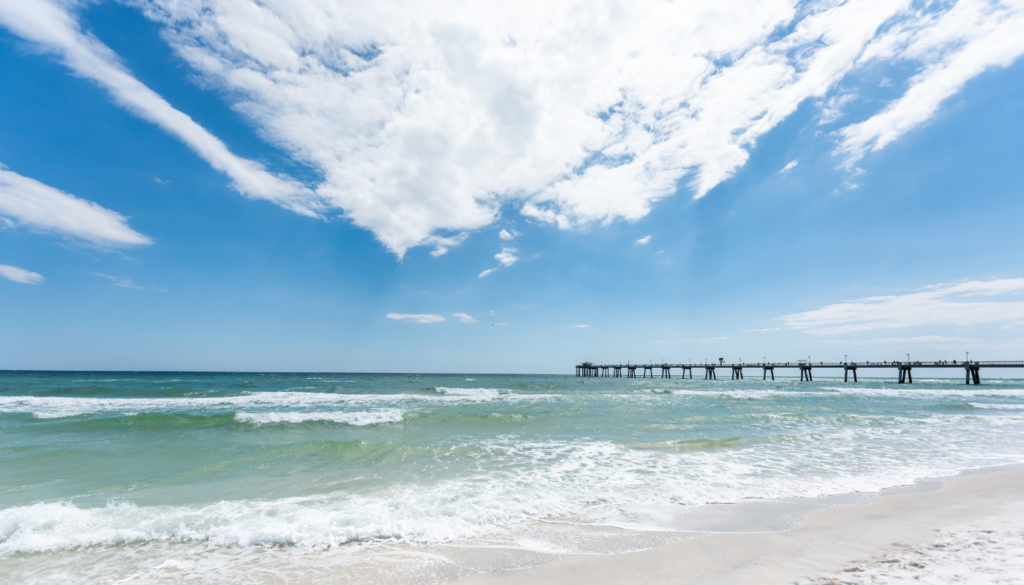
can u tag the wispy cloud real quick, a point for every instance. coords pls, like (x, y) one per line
(940, 304)
(442, 245)
(20, 275)
(43, 208)
(723, 338)
(580, 326)
(428, 318)
(507, 257)
(903, 341)
(954, 46)
(465, 318)
(643, 240)
(792, 165)
(832, 108)
(508, 235)
(53, 28)
(125, 282)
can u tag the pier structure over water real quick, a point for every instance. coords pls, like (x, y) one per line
(972, 369)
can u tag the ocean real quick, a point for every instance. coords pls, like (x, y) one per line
(395, 478)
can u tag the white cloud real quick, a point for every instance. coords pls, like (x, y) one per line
(56, 31)
(941, 304)
(507, 235)
(416, 318)
(441, 245)
(723, 338)
(644, 240)
(581, 326)
(507, 256)
(903, 341)
(790, 166)
(465, 318)
(832, 108)
(125, 282)
(20, 275)
(955, 46)
(43, 208)
(428, 116)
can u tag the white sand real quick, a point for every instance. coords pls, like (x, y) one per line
(966, 556)
(969, 531)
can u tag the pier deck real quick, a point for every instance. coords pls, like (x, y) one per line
(971, 368)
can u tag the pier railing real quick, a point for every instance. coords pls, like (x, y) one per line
(971, 367)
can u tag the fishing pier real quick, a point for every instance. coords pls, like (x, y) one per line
(971, 368)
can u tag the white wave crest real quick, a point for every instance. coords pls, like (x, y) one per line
(63, 406)
(357, 419)
(472, 393)
(997, 406)
(963, 391)
(744, 394)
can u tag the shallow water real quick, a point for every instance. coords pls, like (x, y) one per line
(420, 478)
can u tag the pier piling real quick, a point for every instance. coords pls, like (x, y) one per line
(805, 373)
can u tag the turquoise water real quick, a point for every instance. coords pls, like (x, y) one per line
(154, 476)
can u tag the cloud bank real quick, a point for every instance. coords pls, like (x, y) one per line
(425, 118)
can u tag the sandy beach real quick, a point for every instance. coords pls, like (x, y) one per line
(969, 530)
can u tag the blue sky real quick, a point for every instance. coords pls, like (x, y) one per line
(463, 187)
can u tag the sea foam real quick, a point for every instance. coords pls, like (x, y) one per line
(62, 406)
(471, 393)
(350, 418)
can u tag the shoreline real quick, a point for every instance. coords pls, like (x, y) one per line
(828, 540)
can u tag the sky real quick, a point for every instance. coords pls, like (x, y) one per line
(445, 186)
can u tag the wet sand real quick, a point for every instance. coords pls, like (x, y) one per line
(830, 540)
